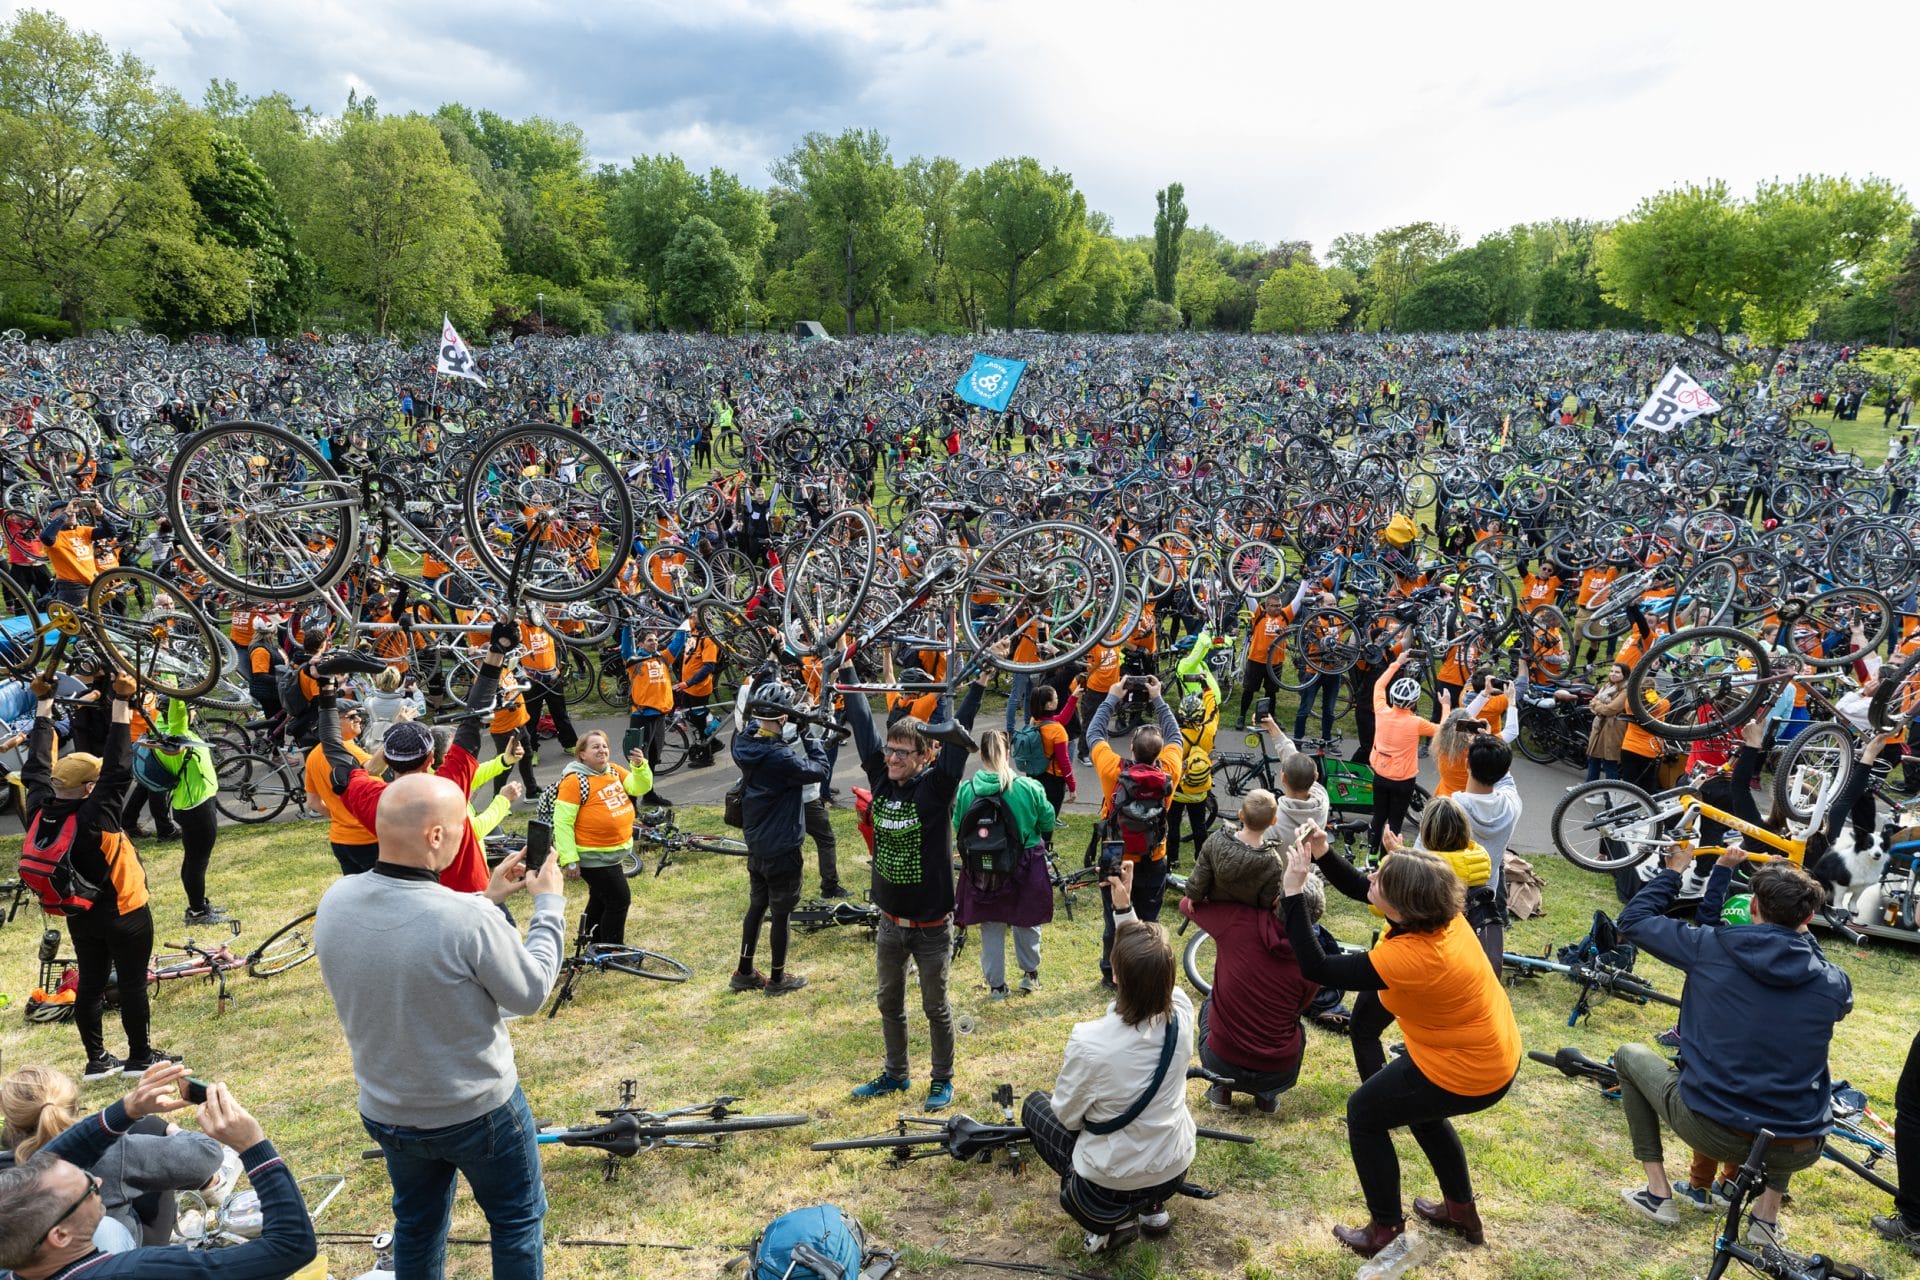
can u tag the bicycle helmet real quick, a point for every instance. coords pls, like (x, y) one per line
(1404, 692)
(771, 700)
(1193, 711)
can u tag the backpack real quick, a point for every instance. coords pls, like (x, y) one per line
(1139, 817)
(820, 1242)
(989, 840)
(1603, 945)
(303, 720)
(46, 867)
(1030, 751)
(150, 772)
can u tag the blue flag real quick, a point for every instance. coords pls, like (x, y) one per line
(990, 382)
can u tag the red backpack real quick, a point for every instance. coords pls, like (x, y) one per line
(47, 869)
(1139, 817)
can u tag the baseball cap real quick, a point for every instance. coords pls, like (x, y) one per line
(76, 770)
(406, 744)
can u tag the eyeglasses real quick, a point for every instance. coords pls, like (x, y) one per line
(93, 1189)
(902, 753)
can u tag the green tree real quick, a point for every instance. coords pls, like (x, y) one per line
(1169, 230)
(933, 187)
(397, 226)
(656, 196)
(1155, 316)
(78, 146)
(706, 283)
(1203, 288)
(1444, 302)
(1699, 262)
(865, 234)
(1399, 257)
(1023, 228)
(1299, 298)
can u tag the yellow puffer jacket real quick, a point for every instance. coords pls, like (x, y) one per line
(1472, 864)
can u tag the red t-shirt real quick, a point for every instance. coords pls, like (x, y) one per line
(468, 871)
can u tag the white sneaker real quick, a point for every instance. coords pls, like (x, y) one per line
(1649, 1206)
(1160, 1221)
(1765, 1234)
(1596, 798)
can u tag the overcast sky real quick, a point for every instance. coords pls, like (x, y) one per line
(1284, 121)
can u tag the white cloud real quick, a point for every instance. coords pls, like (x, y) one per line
(1283, 122)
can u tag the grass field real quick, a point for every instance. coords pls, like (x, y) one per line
(1548, 1161)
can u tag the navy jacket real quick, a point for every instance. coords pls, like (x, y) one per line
(1756, 1015)
(771, 774)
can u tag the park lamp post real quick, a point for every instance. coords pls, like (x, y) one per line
(540, 301)
(252, 323)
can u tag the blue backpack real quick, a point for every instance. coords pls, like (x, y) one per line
(816, 1243)
(150, 773)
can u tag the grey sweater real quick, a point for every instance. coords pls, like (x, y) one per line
(420, 975)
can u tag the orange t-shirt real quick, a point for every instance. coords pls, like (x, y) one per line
(1591, 581)
(1103, 668)
(1053, 736)
(509, 717)
(1455, 1015)
(1638, 742)
(342, 826)
(1267, 630)
(1396, 738)
(651, 687)
(605, 820)
(539, 655)
(1107, 762)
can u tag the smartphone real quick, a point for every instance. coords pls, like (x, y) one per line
(1473, 726)
(1112, 857)
(194, 1091)
(1262, 708)
(539, 844)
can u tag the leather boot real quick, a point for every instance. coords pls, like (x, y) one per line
(1370, 1239)
(1456, 1216)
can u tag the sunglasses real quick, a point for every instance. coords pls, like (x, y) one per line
(93, 1189)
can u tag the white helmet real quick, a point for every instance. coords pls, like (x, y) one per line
(1404, 692)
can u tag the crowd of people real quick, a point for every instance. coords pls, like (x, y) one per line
(427, 963)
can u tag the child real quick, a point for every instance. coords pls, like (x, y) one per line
(1241, 866)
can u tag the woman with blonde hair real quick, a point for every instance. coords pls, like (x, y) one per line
(139, 1173)
(1020, 899)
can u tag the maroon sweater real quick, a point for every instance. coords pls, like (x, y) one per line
(1259, 994)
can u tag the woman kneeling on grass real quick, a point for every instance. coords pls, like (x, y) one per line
(1463, 1046)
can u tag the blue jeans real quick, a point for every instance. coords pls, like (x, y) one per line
(1017, 697)
(501, 1162)
(1598, 768)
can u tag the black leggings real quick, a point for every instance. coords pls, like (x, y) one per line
(608, 897)
(157, 803)
(1398, 1096)
(1391, 798)
(647, 733)
(1263, 680)
(500, 741)
(1370, 1019)
(1906, 1128)
(1195, 812)
(775, 890)
(120, 945)
(1641, 771)
(197, 830)
(545, 693)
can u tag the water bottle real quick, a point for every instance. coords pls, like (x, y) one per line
(49, 946)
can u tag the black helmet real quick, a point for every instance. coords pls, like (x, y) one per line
(771, 700)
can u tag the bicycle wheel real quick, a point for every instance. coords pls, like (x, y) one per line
(537, 478)
(1256, 569)
(727, 1124)
(169, 648)
(259, 511)
(1707, 593)
(252, 788)
(1699, 682)
(289, 946)
(1197, 960)
(718, 844)
(1059, 576)
(639, 962)
(1896, 702)
(1822, 634)
(1612, 833)
(1812, 770)
(828, 581)
(676, 741)
(22, 644)
(1536, 737)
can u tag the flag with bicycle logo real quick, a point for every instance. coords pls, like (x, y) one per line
(990, 382)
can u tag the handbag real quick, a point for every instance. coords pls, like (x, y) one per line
(733, 809)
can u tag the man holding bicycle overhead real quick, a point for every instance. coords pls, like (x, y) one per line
(1756, 1018)
(915, 775)
(421, 977)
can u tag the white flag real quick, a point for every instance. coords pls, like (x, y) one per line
(455, 360)
(1677, 401)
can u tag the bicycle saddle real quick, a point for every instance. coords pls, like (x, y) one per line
(952, 734)
(967, 1137)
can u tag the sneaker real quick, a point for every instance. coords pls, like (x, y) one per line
(1596, 798)
(152, 1058)
(784, 983)
(755, 981)
(1029, 982)
(837, 891)
(208, 914)
(1688, 1196)
(104, 1067)
(939, 1095)
(1668, 1039)
(1155, 1220)
(996, 994)
(1120, 1235)
(1648, 1205)
(1107, 983)
(1894, 1227)
(1764, 1234)
(167, 833)
(1219, 1098)
(882, 1085)
(1267, 1104)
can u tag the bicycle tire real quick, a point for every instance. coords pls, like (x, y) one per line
(717, 844)
(1190, 958)
(1622, 827)
(1897, 701)
(1819, 746)
(22, 643)
(931, 1138)
(266, 961)
(676, 744)
(256, 524)
(835, 565)
(1629, 986)
(615, 509)
(730, 1124)
(640, 963)
(178, 641)
(1534, 739)
(252, 788)
(1730, 684)
(1832, 613)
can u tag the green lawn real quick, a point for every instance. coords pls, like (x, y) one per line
(1548, 1161)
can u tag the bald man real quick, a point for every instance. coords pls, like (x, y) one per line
(420, 975)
